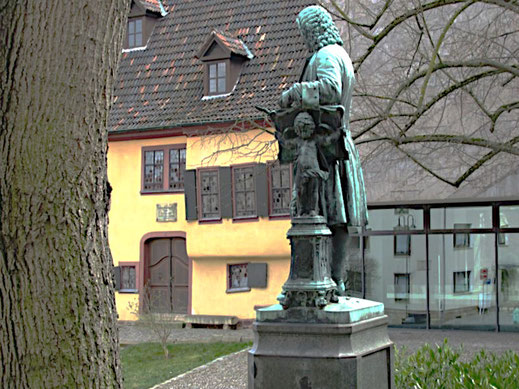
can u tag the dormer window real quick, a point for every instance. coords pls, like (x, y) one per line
(217, 78)
(141, 21)
(223, 57)
(135, 33)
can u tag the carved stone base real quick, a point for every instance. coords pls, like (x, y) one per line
(307, 298)
(344, 345)
(309, 283)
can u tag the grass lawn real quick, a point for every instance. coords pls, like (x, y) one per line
(144, 364)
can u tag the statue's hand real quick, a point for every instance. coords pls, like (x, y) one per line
(291, 97)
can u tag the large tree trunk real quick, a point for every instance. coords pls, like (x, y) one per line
(57, 306)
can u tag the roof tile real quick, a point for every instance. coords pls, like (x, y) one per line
(163, 84)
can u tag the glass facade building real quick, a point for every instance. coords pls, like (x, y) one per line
(438, 265)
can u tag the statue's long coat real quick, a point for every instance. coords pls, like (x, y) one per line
(329, 73)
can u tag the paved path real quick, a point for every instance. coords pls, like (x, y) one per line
(230, 372)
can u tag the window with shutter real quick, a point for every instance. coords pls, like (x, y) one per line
(244, 195)
(177, 167)
(280, 185)
(237, 278)
(209, 194)
(190, 194)
(126, 277)
(163, 168)
(153, 170)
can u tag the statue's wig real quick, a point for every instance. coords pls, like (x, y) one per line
(317, 27)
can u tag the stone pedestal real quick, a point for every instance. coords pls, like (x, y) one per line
(343, 345)
(309, 283)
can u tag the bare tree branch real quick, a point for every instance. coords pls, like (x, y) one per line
(445, 138)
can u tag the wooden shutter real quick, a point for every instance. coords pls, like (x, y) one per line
(262, 196)
(225, 192)
(190, 194)
(117, 277)
(257, 275)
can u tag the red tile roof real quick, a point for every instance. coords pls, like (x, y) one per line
(152, 5)
(162, 86)
(235, 45)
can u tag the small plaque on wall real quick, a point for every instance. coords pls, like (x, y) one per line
(167, 212)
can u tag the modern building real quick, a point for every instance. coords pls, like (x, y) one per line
(199, 207)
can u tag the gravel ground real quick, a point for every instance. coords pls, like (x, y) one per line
(230, 372)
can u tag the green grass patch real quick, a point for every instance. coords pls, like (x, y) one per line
(144, 364)
(442, 367)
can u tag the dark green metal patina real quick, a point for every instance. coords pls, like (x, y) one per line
(329, 196)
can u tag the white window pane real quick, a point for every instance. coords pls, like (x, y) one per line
(159, 157)
(221, 85)
(138, 40)
(138, 25)
(221, 69)
(212, 85)
(131, 27)
(212, 71)
(173, 155)
(131, 40)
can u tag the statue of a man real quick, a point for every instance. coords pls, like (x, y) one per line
(328, 80)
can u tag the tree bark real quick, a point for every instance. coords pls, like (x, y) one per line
(57, 304)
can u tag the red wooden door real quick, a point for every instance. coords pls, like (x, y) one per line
(167, 275)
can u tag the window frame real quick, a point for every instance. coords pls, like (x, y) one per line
(137, 274)
(271, 165)
(468, 235)
(208, 77)
(229, 288)
(400, 237)
(134, 21)
(253, 215)
(408, 287)
(466, 285)
(199, 173)
(165, 168)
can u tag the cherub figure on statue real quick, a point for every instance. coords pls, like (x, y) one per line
(310, 170)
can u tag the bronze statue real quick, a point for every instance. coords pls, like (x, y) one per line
(336, 190)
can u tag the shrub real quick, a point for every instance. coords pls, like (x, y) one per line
(157, 323)
(441, 367)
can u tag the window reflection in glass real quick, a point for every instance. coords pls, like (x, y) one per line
(509, 216)
(397, 281)
(388, 219)
(462, 282)
(446, 218)
(509, 284)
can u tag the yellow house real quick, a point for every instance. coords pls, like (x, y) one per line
(199, 207)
